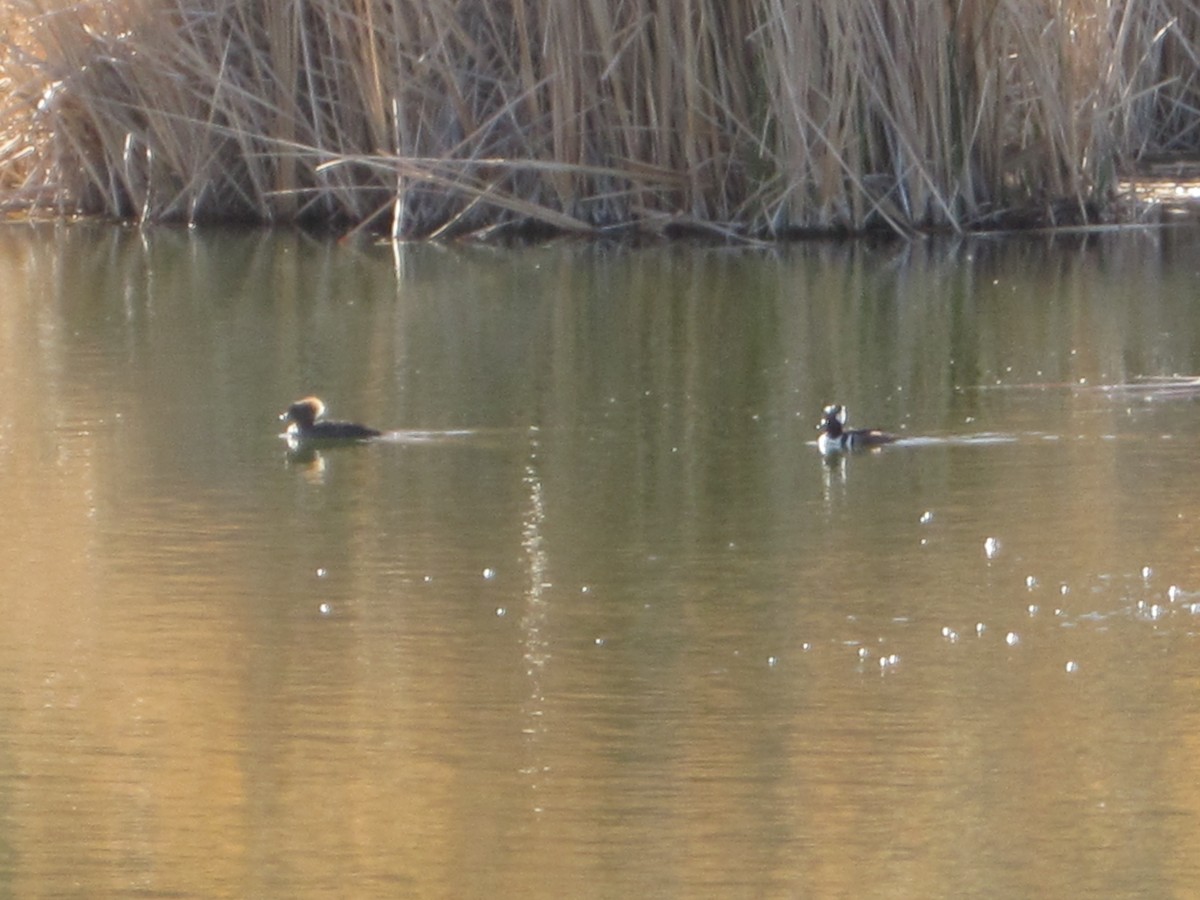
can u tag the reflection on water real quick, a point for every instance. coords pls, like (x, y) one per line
(597, 619)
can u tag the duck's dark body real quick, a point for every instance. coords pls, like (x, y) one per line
(305, 424)
(837, 438)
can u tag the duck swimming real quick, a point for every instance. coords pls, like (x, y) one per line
(305, 424)
(836, 438)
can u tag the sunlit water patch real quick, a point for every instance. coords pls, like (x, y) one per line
(598, 600)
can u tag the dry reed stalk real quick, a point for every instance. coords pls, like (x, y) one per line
(438, 117)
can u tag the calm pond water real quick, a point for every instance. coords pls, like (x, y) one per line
(629, 635)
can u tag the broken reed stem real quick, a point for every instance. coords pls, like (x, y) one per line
(421, 117)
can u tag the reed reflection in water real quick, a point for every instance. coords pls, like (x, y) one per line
(630, 634)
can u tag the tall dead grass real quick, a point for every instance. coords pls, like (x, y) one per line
(436, 117)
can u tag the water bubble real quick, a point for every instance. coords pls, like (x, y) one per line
(991, 547)
(1012, 639)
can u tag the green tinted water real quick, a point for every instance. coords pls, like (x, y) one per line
(630, 634)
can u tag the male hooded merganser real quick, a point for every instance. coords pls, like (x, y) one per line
(836, 438)
(303, 425)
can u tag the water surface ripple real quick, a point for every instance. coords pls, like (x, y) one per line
(596, 619)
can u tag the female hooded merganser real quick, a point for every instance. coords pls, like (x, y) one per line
(303, 425)
(835, 438)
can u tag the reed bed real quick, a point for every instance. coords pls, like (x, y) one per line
(427, 118)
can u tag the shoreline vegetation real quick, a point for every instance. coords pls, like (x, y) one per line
(762, 119)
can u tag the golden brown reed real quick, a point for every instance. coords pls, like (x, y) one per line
(442, 117)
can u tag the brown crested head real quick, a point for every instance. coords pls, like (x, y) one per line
(304, 412)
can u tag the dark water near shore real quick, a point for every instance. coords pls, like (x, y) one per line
(629, 635)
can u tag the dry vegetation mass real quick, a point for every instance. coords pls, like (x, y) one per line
(440, 117)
